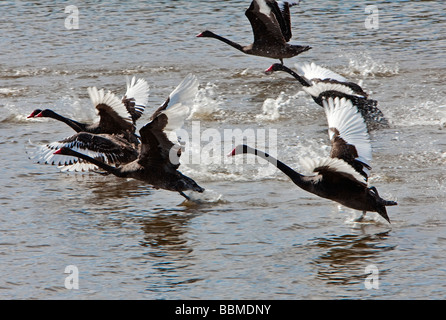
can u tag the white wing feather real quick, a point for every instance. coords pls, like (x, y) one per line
(180, 103)
(344, 116)
(332, 164)
(139, 91)
(263, 7)
(312, 71)
(98, 97)
(176, 116)
(185, 92)
(44, 154)
(317, 88)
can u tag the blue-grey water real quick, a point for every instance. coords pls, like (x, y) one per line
(254, 235)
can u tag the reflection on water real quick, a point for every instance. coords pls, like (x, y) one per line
(112, 188)
(164, 233)
(169, 252)
(344, 257)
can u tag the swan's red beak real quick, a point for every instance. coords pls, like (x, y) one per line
(232, 153)
(199, 35)
(269, 70)
(39, 114)
(32, 115)
(58, 151)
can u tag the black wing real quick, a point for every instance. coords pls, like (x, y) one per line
(281, 10)
(110, 149)
(159, 144)
(265, 26)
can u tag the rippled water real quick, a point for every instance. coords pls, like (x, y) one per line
(254, 235)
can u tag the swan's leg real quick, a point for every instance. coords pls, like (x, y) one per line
(281, 61)
(361, 217)
(182, 193)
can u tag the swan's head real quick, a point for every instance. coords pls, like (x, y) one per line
(205, 34)
(65, 151)
(34, 113)
(45, 113)
(274, 67)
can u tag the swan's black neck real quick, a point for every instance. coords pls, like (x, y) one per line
(100, 164)
(298, 179)
(227, 41)
(76, 126)
(301, 80)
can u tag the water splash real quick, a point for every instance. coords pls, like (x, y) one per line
(425, 113)
(208, 196)
(207, 103)
(366, 66)
(271, 108)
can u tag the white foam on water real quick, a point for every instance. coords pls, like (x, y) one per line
(427, 113)
(8, 92)
(365, 65)
(249, 167)
(270, 109)
(273, 109)
(207, 103)
(208, 196)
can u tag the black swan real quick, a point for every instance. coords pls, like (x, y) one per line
(116, 116)
(271, 26)
(319, 82)
(158, 159)
(343, 176)
(113, 149)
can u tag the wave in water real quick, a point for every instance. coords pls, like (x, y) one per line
(11, 113)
